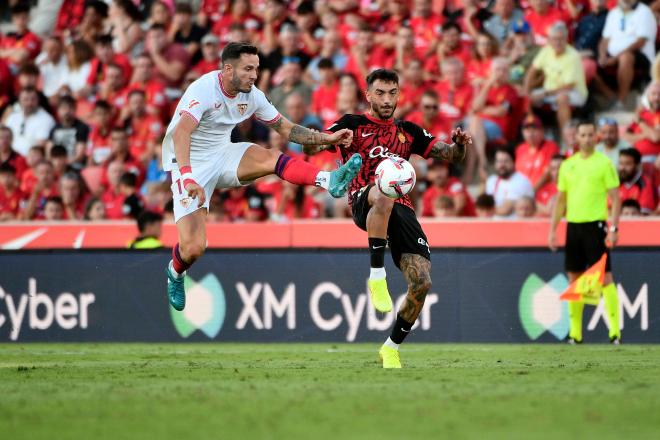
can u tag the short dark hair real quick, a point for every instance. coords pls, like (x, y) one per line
(451, 25)
(305, 7)
(431, 94)
(234, 50)
(137, 92)
(157, 27)
(99, 6)
(326, 63)
(29, 69)
(20, 8)
(55, 199)
(485, 201)
(104, 40)
(66, 100)
(631, 203)
(557, 156)
(582, 122)
(385, 75)
(632, 152)
(506, 150)
(8, 168)
(29, 89)
(183, 8)
(128, 179)
(102, 104)
(58, 151)
(147, 218)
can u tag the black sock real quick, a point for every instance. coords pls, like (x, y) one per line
(377, 250)
(400, 330)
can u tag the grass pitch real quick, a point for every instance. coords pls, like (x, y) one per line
(290, 391)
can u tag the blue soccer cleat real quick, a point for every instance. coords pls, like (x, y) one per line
(343, 176)
(175, 291)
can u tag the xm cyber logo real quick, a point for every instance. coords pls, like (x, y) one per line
(205, 308)
(540, 308)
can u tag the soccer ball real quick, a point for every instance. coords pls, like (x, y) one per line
(395, 177)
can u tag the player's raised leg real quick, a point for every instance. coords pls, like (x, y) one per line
(377, 221)
(417, 272)
(258, 162)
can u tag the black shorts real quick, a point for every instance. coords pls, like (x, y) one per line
(404, 233)
(585, 244)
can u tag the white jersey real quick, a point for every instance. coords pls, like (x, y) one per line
(217, 113)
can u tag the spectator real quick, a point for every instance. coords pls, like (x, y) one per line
(95, 210)
(324, 98)
(112, 89)
(308, 24)
(92, 24)
(330, 48)
(290, 75)
(7, 154)
(35, 155)
(74, 197)
(428, 116)
(239, 12)
(210, 55)
(155, 91)
(630, 208)
(296, 110)
(29, 77)
(479, 66)
(170, 59)
(296, 202)
(105, 56)
(500, 24)
(493, 109)
(450, 46)
(426, 26)
(546, 195)
(644, 134)
(10, 193)
(150, 225)
(286, 52)
(485, 206)
(443, 184)
(366, 56)
(525, 207)
(22, 45)
(159, 15)
(79, 55)
(30, 124)
(634, 185)
(98, 145)
(610, 143)
(58, 157)
(587, 37)
(54, 209)
(124, 18)
(558, 70)
(411, 89)
(404, 48)
(44, 187)
(185, 31)
(534, 155)
(542, 16)
(444, 207)
(120, 152)
(521, 51)
(145, 130)
(454, 93)
(628, 43)
(70, 132)
(507, 185)
(53, 66)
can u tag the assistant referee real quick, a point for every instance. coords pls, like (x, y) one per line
(586, 179)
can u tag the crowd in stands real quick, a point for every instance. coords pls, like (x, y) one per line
(86, 94)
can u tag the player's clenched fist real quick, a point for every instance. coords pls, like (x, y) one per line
(460, 137)
(343, 137)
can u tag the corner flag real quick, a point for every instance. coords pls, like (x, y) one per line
(589, 286)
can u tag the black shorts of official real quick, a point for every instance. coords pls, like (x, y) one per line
(404, 233)
(585, 244)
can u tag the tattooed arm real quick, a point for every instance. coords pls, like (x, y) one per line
(417, 272)
(306, 136)
(455, 152)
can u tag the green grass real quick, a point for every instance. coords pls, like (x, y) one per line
(287, 391)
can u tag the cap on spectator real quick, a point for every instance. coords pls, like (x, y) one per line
(520, 27)
(607, 121)
(532, 120)
(210, 39)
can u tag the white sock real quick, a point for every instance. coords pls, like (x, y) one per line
(390, 343)
(323, 179)
(174, 273)
(377, 273)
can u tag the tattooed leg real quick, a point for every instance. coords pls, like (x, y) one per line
(417, 272)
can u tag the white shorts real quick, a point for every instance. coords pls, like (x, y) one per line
(218, 172)
(575, 98)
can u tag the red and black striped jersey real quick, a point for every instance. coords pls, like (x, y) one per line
(376, 140)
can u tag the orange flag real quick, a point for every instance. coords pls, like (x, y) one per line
(589, 286)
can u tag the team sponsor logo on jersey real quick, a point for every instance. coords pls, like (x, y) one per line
(193, 103)
(380, 151)
(242, 108)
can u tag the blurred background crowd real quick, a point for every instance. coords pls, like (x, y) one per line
(87, 89)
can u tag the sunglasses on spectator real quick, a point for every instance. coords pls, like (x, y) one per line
(431, 106)
(607, 121)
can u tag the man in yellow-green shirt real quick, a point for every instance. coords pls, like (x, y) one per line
(585, 181)
(556, 77)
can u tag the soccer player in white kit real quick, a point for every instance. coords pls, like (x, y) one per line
(198, 151)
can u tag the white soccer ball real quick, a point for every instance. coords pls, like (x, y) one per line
(395, 177)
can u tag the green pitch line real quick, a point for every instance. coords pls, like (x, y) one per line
(305, 391)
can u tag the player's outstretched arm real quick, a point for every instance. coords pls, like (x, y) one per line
(306, 136)
(454, 152)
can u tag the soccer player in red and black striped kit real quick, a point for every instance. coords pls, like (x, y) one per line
(377, 136)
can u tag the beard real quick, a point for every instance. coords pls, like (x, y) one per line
(383, 113)
(504, 174)
(236, 84)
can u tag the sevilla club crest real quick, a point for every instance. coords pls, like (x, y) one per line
(242, 108)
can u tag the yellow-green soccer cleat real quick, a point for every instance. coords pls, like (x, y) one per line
(390, 357)
(380, 296)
